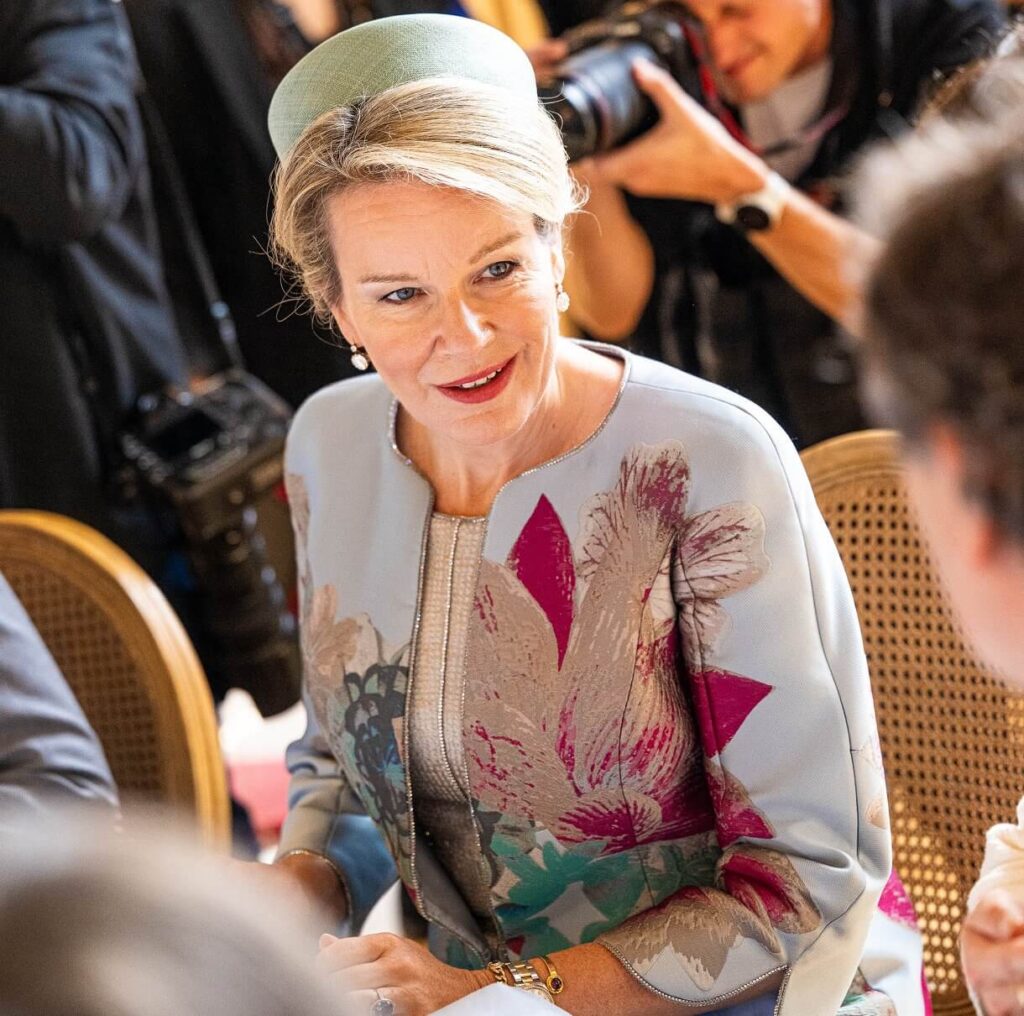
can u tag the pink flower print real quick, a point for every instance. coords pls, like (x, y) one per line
(896, 904)
(723, 701)
(720, 552)
(326, 643)
(542, 561)
(735, 814)
(647, 505)
(767, 884)
(576, 726)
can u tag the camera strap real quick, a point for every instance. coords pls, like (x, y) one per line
(167, 176)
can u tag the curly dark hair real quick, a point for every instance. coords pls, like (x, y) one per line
(943, 335)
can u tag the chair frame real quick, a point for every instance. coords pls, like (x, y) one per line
(154, 637)
(877, 454)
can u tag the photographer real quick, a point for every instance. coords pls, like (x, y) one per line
(754, 306)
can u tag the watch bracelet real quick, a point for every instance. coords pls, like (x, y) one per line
(523, 974)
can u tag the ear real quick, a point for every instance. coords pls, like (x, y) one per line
(558, 260)
(978, 534)
(345, 324)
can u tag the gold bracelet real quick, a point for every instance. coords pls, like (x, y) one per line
(554, 981)
(498, 972)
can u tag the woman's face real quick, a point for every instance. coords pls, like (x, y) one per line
(453, 298)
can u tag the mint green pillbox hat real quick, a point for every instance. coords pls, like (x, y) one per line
(377, 55)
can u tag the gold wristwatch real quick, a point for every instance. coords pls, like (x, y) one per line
(523, 977)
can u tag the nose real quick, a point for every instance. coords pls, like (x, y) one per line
(463, 327)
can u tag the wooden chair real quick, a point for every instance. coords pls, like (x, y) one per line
(129, 662)
(951, 734)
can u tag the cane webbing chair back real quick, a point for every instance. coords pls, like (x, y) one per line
(128, 661)
(951, 734)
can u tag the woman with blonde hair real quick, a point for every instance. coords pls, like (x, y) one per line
(577, 641)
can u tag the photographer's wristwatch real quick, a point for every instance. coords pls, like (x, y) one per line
(757, 211)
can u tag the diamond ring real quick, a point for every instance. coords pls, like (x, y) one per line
(383, 1006)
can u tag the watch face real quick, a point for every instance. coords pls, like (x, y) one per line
(753, 217)
(537, 989)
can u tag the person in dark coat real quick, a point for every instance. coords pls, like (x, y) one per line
(85, 326)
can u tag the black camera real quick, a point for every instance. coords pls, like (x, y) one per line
(593, 94)
(213, 456)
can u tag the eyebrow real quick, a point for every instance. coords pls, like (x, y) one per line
(496, 245)
(489, 248)
(387, 278)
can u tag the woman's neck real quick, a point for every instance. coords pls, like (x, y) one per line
(466, 480)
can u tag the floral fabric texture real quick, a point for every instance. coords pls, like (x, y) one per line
(667, 725)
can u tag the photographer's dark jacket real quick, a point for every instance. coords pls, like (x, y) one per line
(84, 322)
(718, 307)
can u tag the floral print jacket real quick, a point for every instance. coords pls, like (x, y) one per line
(667, 721)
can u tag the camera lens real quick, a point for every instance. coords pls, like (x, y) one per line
(596, 99)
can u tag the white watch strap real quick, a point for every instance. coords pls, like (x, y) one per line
(771, 199)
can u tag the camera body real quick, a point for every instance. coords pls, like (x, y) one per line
(593, 94)
(212, 456)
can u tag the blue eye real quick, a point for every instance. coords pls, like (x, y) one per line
(501, 269)
(403, 295)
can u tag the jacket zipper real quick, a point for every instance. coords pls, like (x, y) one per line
(502, 948)
(418, 901)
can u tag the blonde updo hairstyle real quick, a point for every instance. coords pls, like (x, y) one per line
(445, 132)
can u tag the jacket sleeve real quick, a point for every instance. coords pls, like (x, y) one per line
(49, 754)
(325, 816)
(777, 680)
(71, 144)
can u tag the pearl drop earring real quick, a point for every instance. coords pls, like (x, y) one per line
(562, 301)
(359, 358)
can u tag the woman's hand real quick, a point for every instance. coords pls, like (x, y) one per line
(399, 969)
(992, 953)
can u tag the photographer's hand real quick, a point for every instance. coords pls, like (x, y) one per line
(609, 263)
(688, 154)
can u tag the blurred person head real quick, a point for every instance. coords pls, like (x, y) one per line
(943, 346)
(759, 44)
(98, 923)
(424, 217)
